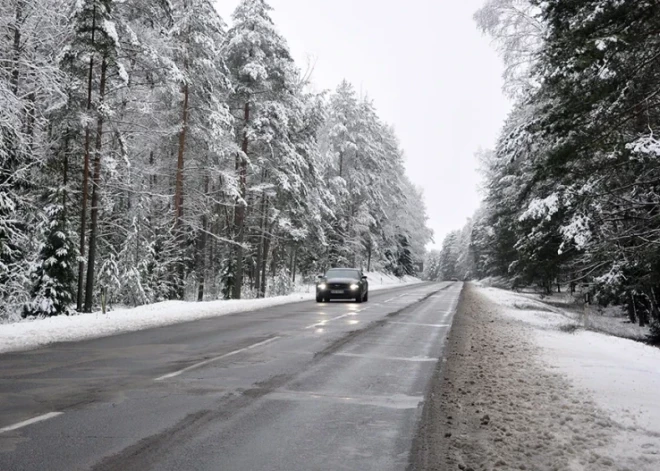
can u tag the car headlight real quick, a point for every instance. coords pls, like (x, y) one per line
(322, 286)
(354, 286)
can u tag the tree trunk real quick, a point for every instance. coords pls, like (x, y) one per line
(239, 215)
(201, 265)
(215, 230)
(96, 190)
(341, 163)
(85, 180)
(201, 250)
(15, 71)
(178, 192)
(632, 310)
(369, 249)
(30, 118)
(260, 248)
(153, 179)
(65, 175)
(264, 265)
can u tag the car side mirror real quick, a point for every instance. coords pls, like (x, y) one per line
(364, 278)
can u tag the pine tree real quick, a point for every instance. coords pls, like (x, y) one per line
(54, 275)
(263, 75)
(30, 88)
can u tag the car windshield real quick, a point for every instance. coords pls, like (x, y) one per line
(342, 273)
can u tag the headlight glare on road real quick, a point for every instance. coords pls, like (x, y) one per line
(354, 287)
(323, 286)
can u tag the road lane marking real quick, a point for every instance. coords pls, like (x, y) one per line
(326, 321)
(422, 325)
(388, 358)
(394, 401)
(31, 421)
(211, 360)
(401, 296)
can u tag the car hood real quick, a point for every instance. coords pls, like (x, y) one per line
(340, 280)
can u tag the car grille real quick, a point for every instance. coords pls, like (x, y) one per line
(339, 286)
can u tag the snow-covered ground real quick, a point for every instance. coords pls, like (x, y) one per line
(620, 376)
(609, 320)
(29, 334)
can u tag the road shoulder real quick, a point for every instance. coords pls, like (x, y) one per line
(494, 403)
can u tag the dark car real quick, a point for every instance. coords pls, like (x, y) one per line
(342, 283)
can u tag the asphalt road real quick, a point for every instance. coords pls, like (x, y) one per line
(303, 386)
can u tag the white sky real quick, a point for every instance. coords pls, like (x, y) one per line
(428, 69)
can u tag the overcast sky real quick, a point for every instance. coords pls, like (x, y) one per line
(428, 69)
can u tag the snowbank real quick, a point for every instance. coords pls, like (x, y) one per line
(28, 334)
(621, 376)
(590, 317)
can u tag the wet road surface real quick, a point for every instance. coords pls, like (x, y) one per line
(302, 386)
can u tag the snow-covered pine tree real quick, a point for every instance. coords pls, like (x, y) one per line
(30, 86)
(54, 273)
(203, 130)
(90, 59)
(264, 78)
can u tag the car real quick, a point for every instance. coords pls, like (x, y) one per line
(342, 283)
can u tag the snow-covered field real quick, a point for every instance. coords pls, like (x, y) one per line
(28, 334)
(620, 376)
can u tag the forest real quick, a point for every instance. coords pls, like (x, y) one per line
(149, 151)
(572, 188)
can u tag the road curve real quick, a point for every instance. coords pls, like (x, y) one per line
(303, 386)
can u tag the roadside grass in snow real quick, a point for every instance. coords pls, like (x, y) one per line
(609, 320)
(569, 328)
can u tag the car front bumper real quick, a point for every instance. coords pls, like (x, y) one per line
(338, 294)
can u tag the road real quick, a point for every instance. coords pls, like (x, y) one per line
(303, 386)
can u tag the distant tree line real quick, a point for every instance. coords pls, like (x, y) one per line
(148, 152)
(572, 188)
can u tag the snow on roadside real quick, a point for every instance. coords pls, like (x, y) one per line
(621, 376)
(607, 320)
(29, 334)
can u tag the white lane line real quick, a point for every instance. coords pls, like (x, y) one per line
(422, 325)
(211, 360)
(31, 421)
(400, 296)
(388, 358)
(394, 401)
(325, 321)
